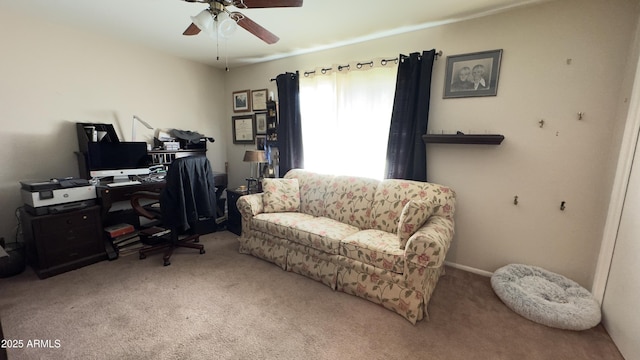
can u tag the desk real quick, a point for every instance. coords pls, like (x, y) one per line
(108, 196)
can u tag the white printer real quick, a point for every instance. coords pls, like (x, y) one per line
(57, 195)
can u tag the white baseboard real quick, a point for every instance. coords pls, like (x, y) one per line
(469, 269)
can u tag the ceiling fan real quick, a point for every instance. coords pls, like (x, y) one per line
(226, 20)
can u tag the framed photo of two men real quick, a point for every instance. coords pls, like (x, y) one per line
(473, 74)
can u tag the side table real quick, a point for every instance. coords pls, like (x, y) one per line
(234, 219)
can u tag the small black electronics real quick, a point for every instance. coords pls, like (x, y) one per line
(119, 159)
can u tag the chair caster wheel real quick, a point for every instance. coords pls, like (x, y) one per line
(202, 251)
(142, 256)
(167, 263)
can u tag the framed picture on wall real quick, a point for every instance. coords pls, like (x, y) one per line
(244, 129)
(241, 101)
(261, 142)
(261, 123)
(473, 74)
(259, 99)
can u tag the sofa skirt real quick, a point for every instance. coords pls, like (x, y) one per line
(405, 302)
(313, 264)
(265, 247)
(346, 275)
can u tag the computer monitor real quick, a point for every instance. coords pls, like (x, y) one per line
(117, 159)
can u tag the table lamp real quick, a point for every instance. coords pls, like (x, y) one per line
(133, 126)
(254, 158)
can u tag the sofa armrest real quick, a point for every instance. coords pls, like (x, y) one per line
(428, 246)
(250, 206)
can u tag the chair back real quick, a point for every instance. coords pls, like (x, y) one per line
(189, 194)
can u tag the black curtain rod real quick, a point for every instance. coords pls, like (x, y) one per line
(384, 62)
(359, 65)
(290, 73)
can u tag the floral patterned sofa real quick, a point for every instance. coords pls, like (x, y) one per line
(384, 241)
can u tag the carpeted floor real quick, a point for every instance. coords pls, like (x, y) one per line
(225, 305)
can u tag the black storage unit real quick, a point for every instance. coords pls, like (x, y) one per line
(85, 134)
(88, 132)
(61, 242)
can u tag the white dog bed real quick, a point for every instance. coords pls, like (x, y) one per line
(545, 297)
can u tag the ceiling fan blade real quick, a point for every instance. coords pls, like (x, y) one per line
(192, 30)
(242, 4)
(253, 27)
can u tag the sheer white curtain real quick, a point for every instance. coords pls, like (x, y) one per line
(345, 119)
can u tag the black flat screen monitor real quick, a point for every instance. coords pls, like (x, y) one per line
(118, 159)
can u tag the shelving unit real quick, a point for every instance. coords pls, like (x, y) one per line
(477, 139)
(88, 133)
(166, 157)
(272, 123)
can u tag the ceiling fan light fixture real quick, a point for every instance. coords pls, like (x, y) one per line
(226, 25)
(203, 20)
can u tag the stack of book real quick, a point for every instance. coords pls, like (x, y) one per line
(124, 237)
(115, 231)
(154, 235)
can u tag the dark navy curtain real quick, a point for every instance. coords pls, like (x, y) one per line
(406, 152)
(289, 127)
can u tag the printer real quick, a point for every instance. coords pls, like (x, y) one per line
(57, 195)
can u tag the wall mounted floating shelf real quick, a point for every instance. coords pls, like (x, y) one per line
(484, 139)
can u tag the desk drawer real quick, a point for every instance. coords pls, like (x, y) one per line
(67, 237)
(59, 251)
(66, 222)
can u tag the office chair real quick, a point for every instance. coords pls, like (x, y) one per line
(188, 196)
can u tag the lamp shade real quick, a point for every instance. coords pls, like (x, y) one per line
(254, 156)
(226, 25)
(203, 20)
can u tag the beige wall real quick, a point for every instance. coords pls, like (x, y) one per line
(567, 160)
(52, 76)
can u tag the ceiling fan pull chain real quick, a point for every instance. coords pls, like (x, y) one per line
(226, 56)
(217, 43)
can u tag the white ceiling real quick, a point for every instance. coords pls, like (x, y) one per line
(318, 24)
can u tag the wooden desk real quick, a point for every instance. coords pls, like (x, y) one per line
(108, 196)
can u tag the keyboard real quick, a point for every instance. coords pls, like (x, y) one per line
(123, 183)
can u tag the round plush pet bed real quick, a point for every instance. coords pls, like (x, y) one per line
(545, 297)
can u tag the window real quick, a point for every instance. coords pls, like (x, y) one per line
(345, 120)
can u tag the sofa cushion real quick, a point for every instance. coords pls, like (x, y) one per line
(348, 199)
(313, 188)
(414, 214)
(277, 224)
(393, 194)
(320, 233)
(374, 247)
(280, 195)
